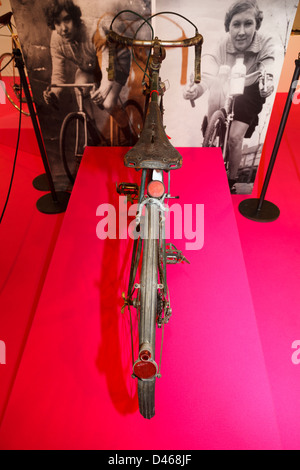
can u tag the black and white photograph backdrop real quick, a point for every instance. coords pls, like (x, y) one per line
(63, 44)
(259, 31)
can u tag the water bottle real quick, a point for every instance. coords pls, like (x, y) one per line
(237, 79)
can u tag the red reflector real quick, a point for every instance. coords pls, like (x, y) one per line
(145, 369)
(156, 189)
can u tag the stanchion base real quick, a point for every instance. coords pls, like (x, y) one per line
(268, 213)
(47, 205)
(41, 183)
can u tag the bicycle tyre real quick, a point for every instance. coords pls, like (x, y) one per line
(10, 75)
(72, 142)
(148, 308)
(215, 132)
(146, 397)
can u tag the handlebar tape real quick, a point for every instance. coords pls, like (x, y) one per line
(111, 61)
(198, 49)
(197, 75)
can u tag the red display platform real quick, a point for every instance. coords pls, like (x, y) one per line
(27, 241)
(74, 390)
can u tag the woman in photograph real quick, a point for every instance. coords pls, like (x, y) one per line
(81, 43)
(242, 22)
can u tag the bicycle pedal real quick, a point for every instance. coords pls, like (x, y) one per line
(174, 256)
(131, 190)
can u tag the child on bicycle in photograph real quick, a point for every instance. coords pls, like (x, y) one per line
(242, 22)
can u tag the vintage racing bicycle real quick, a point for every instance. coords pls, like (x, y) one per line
(155, 157)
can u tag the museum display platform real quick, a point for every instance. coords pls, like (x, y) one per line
(48, 389)
(73, 388)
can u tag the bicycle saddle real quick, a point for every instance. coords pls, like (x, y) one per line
(153, 150)
(5, 19)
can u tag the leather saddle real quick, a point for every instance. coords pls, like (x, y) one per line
(153, 150)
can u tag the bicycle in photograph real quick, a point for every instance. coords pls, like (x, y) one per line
(154, 156)
(217, 129)
(8, 71)
(78, 129)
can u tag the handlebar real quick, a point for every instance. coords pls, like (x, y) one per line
(127, 41)
(253, 74)
(115, 38)
(71, 85)
(259, 74)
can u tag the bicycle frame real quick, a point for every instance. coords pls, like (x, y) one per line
(78, 86)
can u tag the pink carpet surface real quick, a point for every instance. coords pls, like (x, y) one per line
(27, 240)
(272, 259)
(73, 388)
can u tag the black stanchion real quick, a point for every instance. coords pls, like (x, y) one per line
(56, 201)
(258, 209)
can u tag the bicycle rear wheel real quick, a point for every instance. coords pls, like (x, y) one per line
(72, 142)
(10, 77)
(146, 397)
(146, 368)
